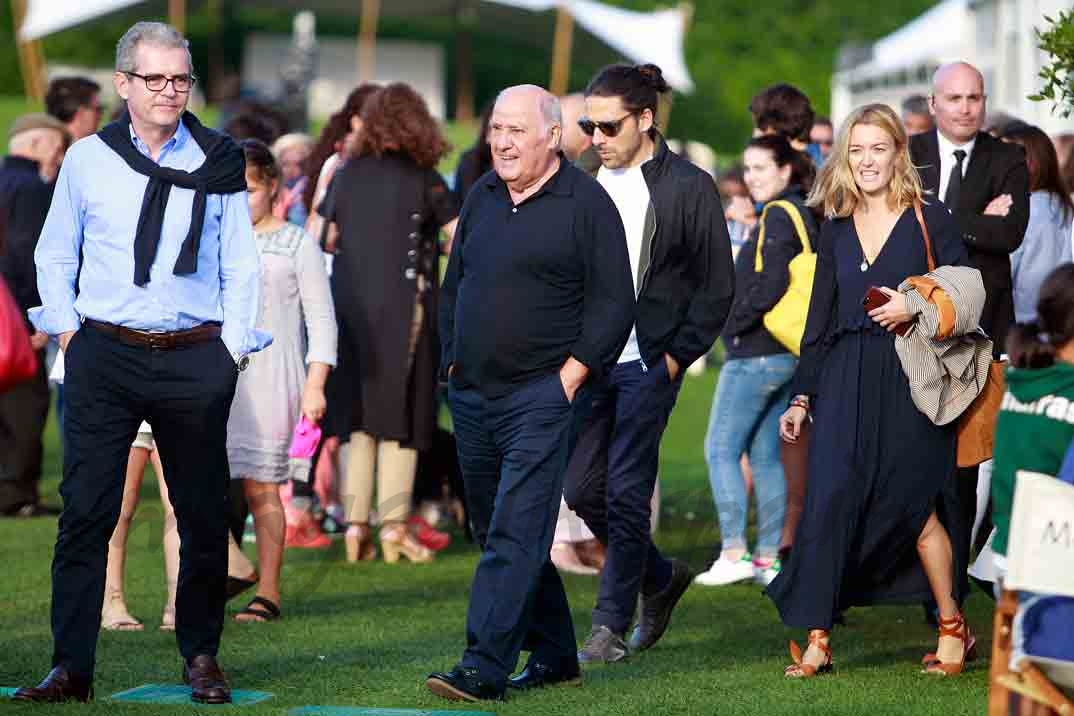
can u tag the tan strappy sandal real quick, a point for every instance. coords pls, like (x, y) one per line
(956, 628)
(801, 670)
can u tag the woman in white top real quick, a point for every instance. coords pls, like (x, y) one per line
(278, 388)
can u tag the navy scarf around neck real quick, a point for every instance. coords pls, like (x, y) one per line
(222, 172)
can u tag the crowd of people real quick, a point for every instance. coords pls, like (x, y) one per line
(275, 299)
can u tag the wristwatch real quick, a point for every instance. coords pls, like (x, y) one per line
(241, 361)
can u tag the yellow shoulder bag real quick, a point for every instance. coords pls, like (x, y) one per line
(786, 321)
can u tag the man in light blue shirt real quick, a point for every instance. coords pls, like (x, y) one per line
(149, 277)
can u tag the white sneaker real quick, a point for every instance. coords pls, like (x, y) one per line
(724, 571)
(764, 571)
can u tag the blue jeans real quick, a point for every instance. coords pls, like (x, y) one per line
(750, 397)
(610, 482)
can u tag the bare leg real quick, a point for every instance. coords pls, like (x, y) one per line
(238, 564)
(325, 483)
(934, 548)
(795, 470)
(115, 614)
(264, 499)
(171, 546)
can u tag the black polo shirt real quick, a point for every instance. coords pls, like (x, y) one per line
(528, 286)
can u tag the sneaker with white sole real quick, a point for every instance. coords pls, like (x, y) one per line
(765, 570)
(724, 571)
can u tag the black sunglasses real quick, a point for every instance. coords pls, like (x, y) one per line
(608, 129)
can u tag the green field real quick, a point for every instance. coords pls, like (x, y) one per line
(367, 635)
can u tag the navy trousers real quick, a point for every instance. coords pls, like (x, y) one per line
(513, 452)
(185, 394)
(610, 483)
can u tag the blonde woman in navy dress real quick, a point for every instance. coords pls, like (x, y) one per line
(881, 505)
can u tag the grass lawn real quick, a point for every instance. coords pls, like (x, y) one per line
(367, 635)
(10, 109)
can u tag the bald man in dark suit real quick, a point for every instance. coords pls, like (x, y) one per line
(985, 184)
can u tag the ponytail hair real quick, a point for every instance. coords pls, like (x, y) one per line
(803, 171)
(1034, 345)
(261, 162)
(638, 86)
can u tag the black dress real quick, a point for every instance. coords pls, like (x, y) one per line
(389, 212)
(877, 466)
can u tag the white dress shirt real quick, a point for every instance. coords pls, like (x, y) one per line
(948, 161)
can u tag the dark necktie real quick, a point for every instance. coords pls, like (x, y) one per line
(954, 182)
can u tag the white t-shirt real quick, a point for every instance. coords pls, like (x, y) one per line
(628, 190)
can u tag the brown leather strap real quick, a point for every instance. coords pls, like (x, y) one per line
(159, 341)
(925, 233)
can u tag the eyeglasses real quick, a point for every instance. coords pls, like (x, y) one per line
(608, 129)
(157, 83)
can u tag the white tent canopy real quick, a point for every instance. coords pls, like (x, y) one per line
(44, 17)
(657, 37)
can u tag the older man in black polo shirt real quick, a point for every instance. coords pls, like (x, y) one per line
(538, 301)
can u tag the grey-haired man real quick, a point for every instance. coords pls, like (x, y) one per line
(149, 277)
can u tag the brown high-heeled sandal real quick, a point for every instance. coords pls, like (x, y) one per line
(396, 541)
(956, 628)
(971, 651)
(359, 542)
(801, 670)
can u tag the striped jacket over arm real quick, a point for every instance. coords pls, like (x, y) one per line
(946, 374)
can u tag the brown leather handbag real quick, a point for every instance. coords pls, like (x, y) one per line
(977, 425)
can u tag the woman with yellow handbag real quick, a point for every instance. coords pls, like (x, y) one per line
(754, 385)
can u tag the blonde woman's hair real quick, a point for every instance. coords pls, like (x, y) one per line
(836, 191)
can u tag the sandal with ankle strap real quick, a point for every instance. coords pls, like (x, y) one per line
(956, 628)
(801, 670)
(971, 652)
(263, 610)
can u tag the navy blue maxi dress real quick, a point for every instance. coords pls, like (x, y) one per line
(877, 466)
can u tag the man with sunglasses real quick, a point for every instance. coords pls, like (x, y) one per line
(149, 278)
(680, 254)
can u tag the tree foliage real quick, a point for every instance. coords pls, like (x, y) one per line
(733, 49)
(1058, 75)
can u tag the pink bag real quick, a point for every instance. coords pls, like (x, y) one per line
(305, 440)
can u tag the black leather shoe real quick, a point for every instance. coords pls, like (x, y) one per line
(603, 646)
(655, 611)
(59, 686)
(208, 685)
(537, 675)
(463, 683)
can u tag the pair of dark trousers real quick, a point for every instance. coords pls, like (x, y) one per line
(185, 394)
(23, 413)
(513, 452)
(611, 479)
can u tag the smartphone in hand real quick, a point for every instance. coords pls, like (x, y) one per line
(874, 299)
